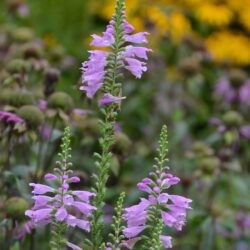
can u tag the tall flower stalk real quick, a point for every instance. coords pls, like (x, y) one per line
(159, 209)
(54, 204)
(102, 71)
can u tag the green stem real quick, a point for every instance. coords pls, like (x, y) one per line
(107, 128)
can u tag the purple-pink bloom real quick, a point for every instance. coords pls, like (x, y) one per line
(136, 67)
(83, 195)
(84, 208)
(132, 51)
(10, 118)
(137, 38)
(61, 214)
(133, 231)
(41, 201)
(130, 242)
(73, 246)
(108, 99)
(41, 189)
(40, 216)
(224, 90)
(245, 131)
(244, 94)
(81, 223)
(166, 241)
(21, 230)
(74, 179)
(50, 177)
(42, 104)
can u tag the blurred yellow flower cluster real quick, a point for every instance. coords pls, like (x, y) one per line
(226, 23)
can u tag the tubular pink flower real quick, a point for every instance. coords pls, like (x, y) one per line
(108, 99)
(130, 242)
(40, 216)
(73, 246)
(180, 201)
(21, 230)
(83, 195)
(41, 189)
(136, 67)
(132, 51)
(166, 241)
(74, 179)
(41, 201)
(61, 214)
(137, 38)
(131, 232)
(50, 177)
(84, 208)
(83, 224)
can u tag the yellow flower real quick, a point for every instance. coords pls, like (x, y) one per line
(174, 23)
(238, 5)
(229, 47)
(244, 16)
(214, 14)
(179, 26)
(158, 18)
(49, 40)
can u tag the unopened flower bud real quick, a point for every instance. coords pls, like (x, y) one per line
(15, 207)
(17, 66)
(22, 35)
(50, 78)
(32, 51)
(189, 66)
(209, 164)
(232, 118)
(60, 100)
(237, 77)
(32, 115)
(201, 149)
(122, 141)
